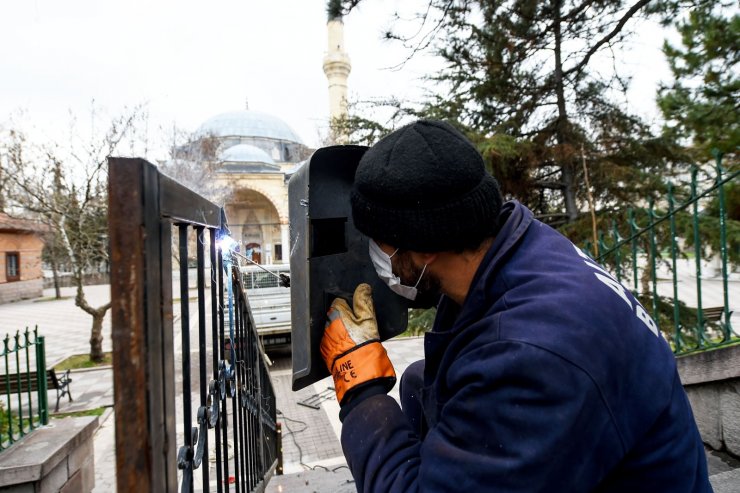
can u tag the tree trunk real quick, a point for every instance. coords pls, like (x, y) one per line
(98, 314)
(567, 166)
(96, 337)
(55, 273)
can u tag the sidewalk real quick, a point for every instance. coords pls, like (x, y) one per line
(66, 329)
(312, 453)
(313, 458)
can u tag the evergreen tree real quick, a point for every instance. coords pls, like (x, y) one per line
(521, 79)
(701, 104)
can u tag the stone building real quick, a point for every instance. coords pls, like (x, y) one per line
(255, 154)
(20, 259)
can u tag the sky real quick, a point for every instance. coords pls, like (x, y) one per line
(188, 61)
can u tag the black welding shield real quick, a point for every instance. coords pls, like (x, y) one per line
(329, 258)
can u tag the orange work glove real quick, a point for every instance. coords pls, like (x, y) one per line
(351, 346)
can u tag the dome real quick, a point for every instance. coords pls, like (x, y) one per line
(247, 123)
(245, 153)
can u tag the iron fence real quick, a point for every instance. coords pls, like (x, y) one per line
(226, 402)
(647, 253)
(23, 380)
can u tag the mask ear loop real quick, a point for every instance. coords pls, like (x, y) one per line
(422, 270)
(421, 275)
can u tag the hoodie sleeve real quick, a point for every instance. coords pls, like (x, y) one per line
(519, 418)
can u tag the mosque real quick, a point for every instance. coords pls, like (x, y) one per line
(256, 153)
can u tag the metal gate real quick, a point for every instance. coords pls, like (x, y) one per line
(234, 397)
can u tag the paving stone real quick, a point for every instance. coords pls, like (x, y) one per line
(67, 331)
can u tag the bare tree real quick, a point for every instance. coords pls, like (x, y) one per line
(193, 161)
(65, 186)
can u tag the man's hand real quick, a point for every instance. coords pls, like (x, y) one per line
(351, 346)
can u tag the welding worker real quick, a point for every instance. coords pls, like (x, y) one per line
(541, 372)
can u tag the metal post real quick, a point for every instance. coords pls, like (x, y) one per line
(185, 456)
(676, 321)
(9, 413)
(223, 371)
(217, 349)
(141, 320)
(726, 326)
(26, 344)
(697, 254)
(19, 391)
(633, 230)
(203, 387)
(653, 262)
(617, 252)
(43, 396)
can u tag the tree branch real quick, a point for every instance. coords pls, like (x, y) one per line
(617, 29)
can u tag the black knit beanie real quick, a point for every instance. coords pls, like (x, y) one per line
(425, 188)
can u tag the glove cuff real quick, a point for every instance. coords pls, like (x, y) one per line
(363, 363)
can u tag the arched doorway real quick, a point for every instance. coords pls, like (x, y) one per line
(255, 225)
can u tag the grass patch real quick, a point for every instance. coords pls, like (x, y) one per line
(52, 298)
(77, 361)
(98, 411)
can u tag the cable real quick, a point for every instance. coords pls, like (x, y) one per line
(293, 433)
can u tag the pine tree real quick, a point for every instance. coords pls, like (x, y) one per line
(521, 79)
(701, 104)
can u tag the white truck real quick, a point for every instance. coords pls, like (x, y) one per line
(269, 303)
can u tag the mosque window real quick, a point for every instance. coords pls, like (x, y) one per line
(278, 251)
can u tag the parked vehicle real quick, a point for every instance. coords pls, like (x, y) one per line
(269, 303)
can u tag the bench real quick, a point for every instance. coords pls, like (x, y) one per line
(714, 314)
(11, 384)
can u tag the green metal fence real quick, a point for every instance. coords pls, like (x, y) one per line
(652, 245)
(24, 404)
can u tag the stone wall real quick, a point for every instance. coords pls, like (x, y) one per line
(54, 459)
(21, 290)
(712, 382)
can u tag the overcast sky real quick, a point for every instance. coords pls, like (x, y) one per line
(189, 60)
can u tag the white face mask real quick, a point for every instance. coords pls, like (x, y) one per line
(384, 268)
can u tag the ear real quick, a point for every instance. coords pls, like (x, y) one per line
(424, 258)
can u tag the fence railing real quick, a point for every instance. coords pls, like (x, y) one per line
(663, 239)
(225, 403)
(23, 381)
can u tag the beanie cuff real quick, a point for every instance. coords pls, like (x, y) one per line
(460, 223)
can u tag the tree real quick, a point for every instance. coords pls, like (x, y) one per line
(193, 162)
(529, 84)
(66, 187)
(701, 104)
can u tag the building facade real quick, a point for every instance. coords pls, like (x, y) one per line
(255, 154)
(21, 245)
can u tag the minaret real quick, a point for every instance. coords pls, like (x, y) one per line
(337, 68)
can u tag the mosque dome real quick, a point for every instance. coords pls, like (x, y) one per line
(245, 153)
(248, 123)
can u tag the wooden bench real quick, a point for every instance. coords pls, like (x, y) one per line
(714, 314)
(29, 382)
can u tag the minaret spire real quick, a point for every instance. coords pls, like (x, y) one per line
(337, 68)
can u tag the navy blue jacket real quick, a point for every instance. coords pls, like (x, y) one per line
(550, 377)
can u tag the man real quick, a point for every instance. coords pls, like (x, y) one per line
(541, 373)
